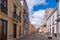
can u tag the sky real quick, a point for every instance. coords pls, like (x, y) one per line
(37, 9)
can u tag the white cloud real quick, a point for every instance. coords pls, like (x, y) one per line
(32, 3)
(37, 18)
(21, 2)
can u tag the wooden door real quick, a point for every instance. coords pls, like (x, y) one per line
(52, 30)
(20, 31)
(3, 30)
(14, 30)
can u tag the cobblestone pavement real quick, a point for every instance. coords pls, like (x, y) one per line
(35, 36)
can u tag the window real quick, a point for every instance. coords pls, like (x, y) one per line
(26, 19)
(15, 8)
(3, 29)
(50, 22)
(53, 19)
(3, 4)
(14, 11)
(20, 16)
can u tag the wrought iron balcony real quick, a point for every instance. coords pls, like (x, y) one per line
(14, 15)
(18, 17)
(26, 20)
(3, 9)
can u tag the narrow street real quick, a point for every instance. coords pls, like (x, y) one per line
(29, 19)
(35, 36)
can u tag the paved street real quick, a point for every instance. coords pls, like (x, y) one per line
(35, 36)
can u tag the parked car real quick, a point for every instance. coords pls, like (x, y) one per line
(48, 35)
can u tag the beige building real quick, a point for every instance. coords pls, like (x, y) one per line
(11, 19)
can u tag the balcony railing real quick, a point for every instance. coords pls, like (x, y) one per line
(18, 17)
(3, 9)
(26, 20)
(14, 15)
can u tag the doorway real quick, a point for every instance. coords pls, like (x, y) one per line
(20, 31)
(14, 30)
(52, 30)
(3, 29)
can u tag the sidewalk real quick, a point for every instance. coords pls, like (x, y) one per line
(25, 36)
(53, 38)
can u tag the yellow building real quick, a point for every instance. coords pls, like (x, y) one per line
(32, 29)
(11, 19)
(41, 29)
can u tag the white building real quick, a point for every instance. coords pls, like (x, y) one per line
(51, 16)
(58, 19)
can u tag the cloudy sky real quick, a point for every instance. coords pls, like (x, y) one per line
(37, 9)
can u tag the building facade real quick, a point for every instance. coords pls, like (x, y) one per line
(58, 19)
(11, 19)
(29, 27)
(51, 16)
(32, 29)
(26, 18)
(42, 28)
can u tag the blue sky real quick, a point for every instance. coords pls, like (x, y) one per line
(51, 4)
(37, 9)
